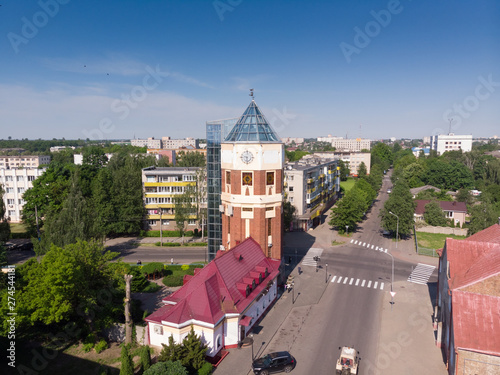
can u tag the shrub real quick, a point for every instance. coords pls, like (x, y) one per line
(185, 267)
(100, 346)
(90, 339)
(87, 347)
(173, 280)
(151, 288)
(145, 357)
(206, 369)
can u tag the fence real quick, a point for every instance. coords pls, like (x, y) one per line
(422, 250)
(116, 333)
(443, 230)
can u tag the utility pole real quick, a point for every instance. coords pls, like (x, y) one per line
(128, 321)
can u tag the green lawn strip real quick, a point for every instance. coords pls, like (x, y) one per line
(434, 240)
(17, 228)
(348, 185)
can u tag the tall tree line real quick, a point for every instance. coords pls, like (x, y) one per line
(90, 201)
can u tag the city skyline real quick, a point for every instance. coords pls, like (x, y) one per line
(378, 69)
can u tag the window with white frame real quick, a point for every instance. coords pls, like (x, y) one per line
(31, 178)
(20, 190)
(12, 213)
(188, 177)
(10, 201)
(9, 190)
(8, 178)
(191, 222)
(20, 178)
(152, 222)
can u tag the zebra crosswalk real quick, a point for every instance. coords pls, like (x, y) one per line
(308, 259)
(421, 274)
(362, 283)
(368, 246)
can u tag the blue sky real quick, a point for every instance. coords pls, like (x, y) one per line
(373, 69)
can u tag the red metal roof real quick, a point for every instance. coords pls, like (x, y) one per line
(490, 234)
(445, 206)
(470, 261)
(476, 322)
(213, 291)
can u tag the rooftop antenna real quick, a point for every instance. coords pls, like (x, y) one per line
(251, 94)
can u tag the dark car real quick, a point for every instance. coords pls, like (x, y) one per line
(274, 362)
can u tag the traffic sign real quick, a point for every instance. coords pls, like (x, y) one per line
(393, 294)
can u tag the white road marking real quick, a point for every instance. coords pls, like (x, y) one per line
(363, 283)
(352, 240)
(333, 279)
(381, 286)
(421, 274)
(376, 248)
(373, 246)
(375, 285)
(352, 279)
(369, 284)
(345, 280)
(340, 279)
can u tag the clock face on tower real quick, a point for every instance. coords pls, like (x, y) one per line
(246, 157)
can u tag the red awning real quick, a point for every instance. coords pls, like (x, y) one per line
(245, 321)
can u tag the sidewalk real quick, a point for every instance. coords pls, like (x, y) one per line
(280, 326)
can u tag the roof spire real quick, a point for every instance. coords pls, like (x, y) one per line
(251, 94)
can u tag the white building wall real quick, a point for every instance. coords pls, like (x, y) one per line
(15, 183)
(451, 142)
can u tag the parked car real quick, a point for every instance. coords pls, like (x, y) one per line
(389, 191)
(274, 362)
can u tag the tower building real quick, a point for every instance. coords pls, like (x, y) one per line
(252, 159)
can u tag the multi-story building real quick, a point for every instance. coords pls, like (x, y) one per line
(312, 186)
(23, 161)
(352, 159)
(345, 144)
(451, 142)
(161, 186)
(170, 143)
(216, 133)
(289, 140)
(151, 142)
(60, 148)
(15, 182)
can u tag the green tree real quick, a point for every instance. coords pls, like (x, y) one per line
(167, 368)
(127, 365)
(190, 159)
(4, 224)
(94, 156)
(194, 351)
(171, 352)
(344, 170)
(400, 203)
(145, 358)
(464, 195)
(288, 214)
(101, 204)
(482, 216)
(73, 283)
(184, 208)
(382, 155)
(348, 211)
(434, 215)
(362, 172)
(47, 195)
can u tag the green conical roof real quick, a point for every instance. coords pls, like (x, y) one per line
(252, 127)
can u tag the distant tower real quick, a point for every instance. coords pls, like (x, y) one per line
(252, 159)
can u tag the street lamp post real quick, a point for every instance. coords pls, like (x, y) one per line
(326, 273)
(397, 227)
(251, 338)
(347, 230)
(392, 275)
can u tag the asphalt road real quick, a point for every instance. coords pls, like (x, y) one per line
(346, 314)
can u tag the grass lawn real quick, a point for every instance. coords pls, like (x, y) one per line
(435, 240)
(348, 185)
(17, 228)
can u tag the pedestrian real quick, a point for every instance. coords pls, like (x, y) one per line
(299, 270)
(139, 262)
(171, 260)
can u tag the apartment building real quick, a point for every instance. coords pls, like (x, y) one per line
(23, 161)
(289, 140)
(347, 144)
(312, 186)
(160, 187)
(451, 142)
(352, 159)
(151, 142)
(15, 182)
(170, 143)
